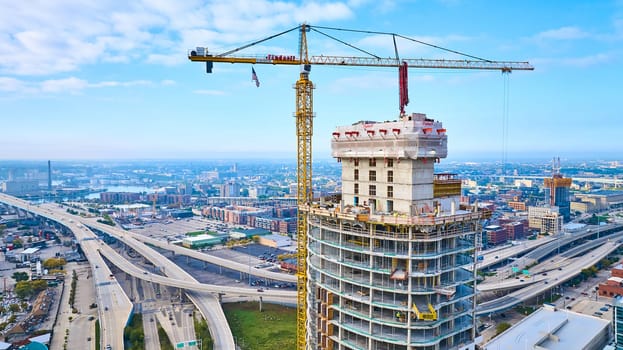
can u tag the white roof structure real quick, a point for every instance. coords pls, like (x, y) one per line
(281, 241)
(616, 279)
(30, 251)
(553, 329)
(43, 339)
(197, 238)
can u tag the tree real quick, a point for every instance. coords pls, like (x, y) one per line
(14, 308)
(20, 276)
(38, 285)
(23, 289)
(18, 243)
(54, 263)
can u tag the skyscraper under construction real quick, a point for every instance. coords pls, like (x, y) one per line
(557, 190)
(389, 265)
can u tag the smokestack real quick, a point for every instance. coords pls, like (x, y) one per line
(49, 176)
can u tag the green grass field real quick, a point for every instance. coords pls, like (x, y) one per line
(273, 329)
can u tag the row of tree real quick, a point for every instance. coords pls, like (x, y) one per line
(26, 289)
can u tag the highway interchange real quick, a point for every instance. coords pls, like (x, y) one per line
(116, 307)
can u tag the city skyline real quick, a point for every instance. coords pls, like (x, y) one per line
(112, 81)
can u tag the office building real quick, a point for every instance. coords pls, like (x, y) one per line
(545, 219)
(496, 235)
(617, 322)
(230, 189)
(387, 264)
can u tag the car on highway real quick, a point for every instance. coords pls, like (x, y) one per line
(260, 290)
(604, 308)
(597, 313)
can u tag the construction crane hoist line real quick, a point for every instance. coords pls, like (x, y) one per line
(304, 113)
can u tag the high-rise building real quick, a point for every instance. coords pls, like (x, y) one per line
(617, 322)
(557, 191)
(230, 189)
(388, 264)
(49, 176)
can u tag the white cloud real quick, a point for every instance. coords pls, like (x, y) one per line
(209, 92)
(71, 85)
(167, 60)
(40, 37)
(587, 61)
(12, 84)
(120, 83)
(581, 62)
(61, 85)
(563, 33)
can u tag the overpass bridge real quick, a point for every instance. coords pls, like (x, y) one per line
(539, 272)
(115, 306)
(131, 238)
(544, 284)
(202, 295)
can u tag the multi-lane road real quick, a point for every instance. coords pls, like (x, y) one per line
(202, 295)
(541, 283)
(114, 305)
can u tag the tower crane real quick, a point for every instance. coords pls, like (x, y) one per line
(304, 114)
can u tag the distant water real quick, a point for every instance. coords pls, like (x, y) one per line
(133, 189)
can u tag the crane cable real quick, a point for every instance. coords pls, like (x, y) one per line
(505, 118)
(406, 38)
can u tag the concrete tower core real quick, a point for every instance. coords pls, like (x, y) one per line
(388, 265)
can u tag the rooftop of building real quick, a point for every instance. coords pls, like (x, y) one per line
(607, 193)
(552, 329)
(198, 238)
(413, 136)
(31, 250)
(617, 280)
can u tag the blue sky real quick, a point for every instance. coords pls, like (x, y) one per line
(111, 80)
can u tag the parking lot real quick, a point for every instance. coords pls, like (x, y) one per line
(173, 229)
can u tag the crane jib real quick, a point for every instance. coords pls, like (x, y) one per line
(369, 62)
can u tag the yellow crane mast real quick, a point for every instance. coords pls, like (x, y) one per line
(304, 116)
